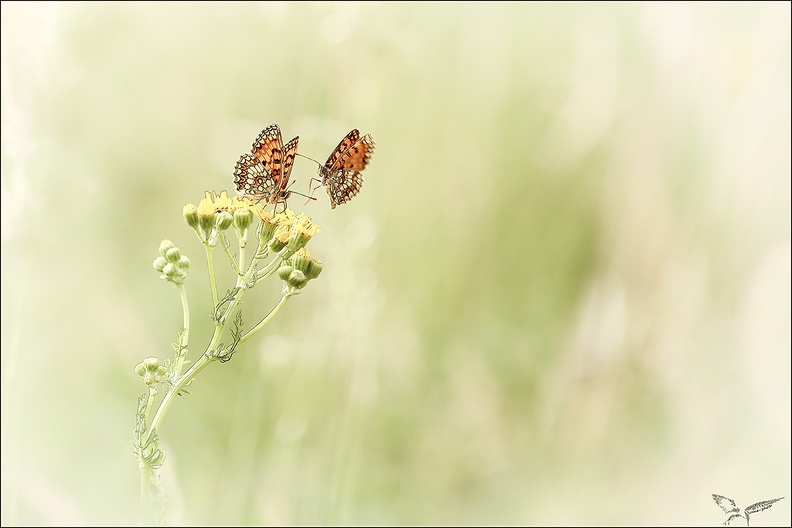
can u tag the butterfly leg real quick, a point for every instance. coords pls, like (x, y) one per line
(311, 189)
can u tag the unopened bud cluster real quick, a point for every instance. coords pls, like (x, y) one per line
(171, 263)
(299, 269)
(150, 370)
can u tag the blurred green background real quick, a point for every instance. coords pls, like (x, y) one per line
(562, 297)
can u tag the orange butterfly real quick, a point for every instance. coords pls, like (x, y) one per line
(341, 172)
(264, 175)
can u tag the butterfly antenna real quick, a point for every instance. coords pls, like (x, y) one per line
(301, 194)
(311, 191)
(306, 157)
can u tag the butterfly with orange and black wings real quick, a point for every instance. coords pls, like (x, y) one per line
(341, 174)
(263, 175)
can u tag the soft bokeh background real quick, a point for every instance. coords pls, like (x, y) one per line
(562, 297)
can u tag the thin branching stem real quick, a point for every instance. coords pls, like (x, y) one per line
(261, 324)
(237, 270)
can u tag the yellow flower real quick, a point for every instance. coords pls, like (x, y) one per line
(219, 201)
(302, 230)
(206, 212)
(285, 217)
(222, 202)
(275, 219)
(280, 238)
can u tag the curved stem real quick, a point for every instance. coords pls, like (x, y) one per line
(188, 376)
(238, 271)
(267, 319)
(271, 268)
(199, 365)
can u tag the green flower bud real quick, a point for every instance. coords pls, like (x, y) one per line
(284, 271)
(297, 279)
(190, 213)
(140, 369)
(172, 265)
(170, 270)
(300, 260)
(173, 254)
(151, 364)
(159, 263)
(206, 217)
(265, 231)
(314, 268)
(276, 245)
(165, 245)
(223, 220)
(243, 217)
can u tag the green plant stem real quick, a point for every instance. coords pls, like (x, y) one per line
(145, 483)
(188, 376)
(145, 471)
(210, 354)
(237, 269)
(210, 265)
(199, 365)
(185, 335)
(263, 322)
(239, 282)
(271, 268)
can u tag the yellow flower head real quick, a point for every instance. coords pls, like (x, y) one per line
(275, 219)
(222, 202)
(279, 238)
(206, 212)
(302, 230)
(271, 221)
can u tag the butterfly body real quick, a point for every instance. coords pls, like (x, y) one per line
(341, 174)
(263, 174)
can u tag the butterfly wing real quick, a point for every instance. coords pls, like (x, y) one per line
(341, 175)
(289, 153)
(357, 156)
(259, 175)
(251, 179)
(342, 186)
(268, 147)
(342, 147)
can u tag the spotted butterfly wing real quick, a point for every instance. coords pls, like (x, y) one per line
(289, 153)
(341, 173)
(264, 174)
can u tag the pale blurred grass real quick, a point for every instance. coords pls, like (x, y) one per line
(563, 296)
